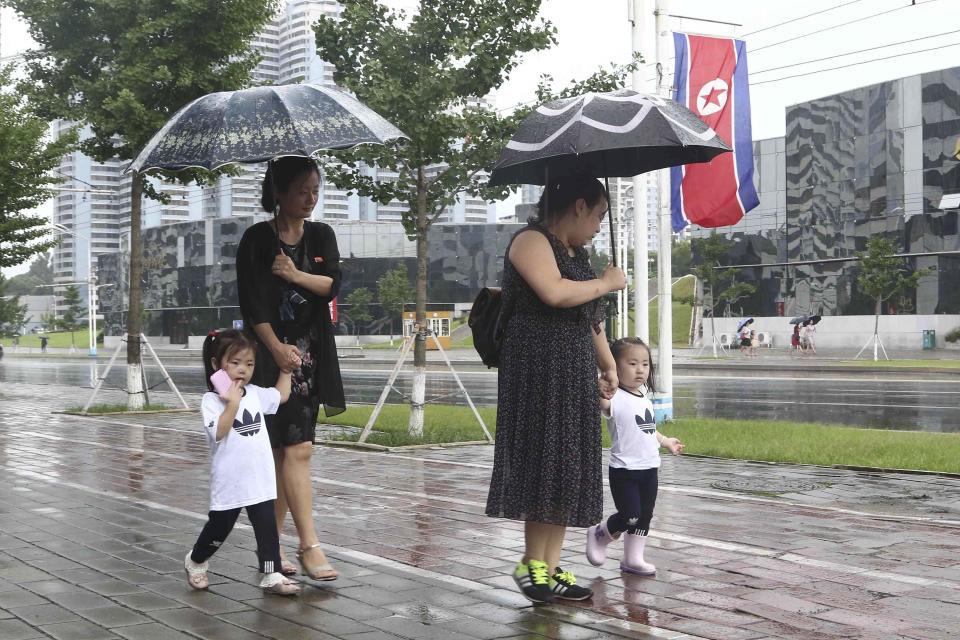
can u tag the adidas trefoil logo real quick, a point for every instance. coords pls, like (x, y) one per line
(248, 425)
(646, 422)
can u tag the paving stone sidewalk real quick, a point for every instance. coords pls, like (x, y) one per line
(99, 512)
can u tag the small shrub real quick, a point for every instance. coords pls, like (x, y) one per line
(953, 335)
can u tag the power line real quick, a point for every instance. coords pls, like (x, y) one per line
(854, 64)
(842, 24)
(850, 53)
(815, 13)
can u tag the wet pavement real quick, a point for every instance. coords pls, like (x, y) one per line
(99, 512)
(772, 387)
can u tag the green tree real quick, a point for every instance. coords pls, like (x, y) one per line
(73, 315)
(598, 260)
(394, 291)
(425, 73)
(717, 284)
(359, 301)
(13, 315)
(124, 67)
(681, 259)
(39, 274)
(26, 160)
(882, 276)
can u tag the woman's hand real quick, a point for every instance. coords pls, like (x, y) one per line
(283, 266)
(614, 278)
(608, 383)
(287, 357)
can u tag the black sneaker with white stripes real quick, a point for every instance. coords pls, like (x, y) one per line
(533, 581)
(564, 586)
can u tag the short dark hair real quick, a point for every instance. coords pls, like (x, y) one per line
(617, 347)
(221, 344)
(564, 191)
(280, 174)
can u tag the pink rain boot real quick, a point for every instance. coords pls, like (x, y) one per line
(598, 537)
(632, 561)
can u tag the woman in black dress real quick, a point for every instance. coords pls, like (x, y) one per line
(287, 274)
(547, 468)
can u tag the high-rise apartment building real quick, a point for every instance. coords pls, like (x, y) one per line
(288, 54)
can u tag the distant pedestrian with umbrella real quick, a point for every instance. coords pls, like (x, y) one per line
(806, 334)
(288, 271)
(743, 331)
(547, 468)
(795, 343)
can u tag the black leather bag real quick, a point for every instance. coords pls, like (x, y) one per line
(487, 321)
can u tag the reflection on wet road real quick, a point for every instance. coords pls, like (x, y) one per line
(855, 399)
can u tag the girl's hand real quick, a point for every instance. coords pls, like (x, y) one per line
(614, 278)
(283, 266)
(673, 446)
(608, 383)
(234, 393)
(287, 357)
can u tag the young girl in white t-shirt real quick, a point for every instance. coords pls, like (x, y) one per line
(242, 470)
(634, 459)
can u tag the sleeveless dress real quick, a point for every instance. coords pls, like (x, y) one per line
(547, 457)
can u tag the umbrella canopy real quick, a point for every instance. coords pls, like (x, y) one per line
(798, 320)
(617, 134)
(260, 123)
(813, 319)
(744, 323)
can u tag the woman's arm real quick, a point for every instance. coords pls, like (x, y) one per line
(287, 356)
(607, 365)
(533, 258)
(283, 266)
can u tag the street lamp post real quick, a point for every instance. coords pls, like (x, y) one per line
(91, 285)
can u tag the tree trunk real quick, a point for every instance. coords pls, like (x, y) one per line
(876, 327)
(415, 428)
(135, 391)
(713, 326)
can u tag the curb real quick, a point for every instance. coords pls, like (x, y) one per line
(349, 444)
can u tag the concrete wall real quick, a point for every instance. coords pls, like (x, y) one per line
(848, 332)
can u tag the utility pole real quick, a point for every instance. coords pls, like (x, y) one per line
(663, 403)
(642, 36)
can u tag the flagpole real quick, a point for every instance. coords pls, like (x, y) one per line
(663, 404)
(641, 37)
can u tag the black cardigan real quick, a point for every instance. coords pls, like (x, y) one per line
(260, 294)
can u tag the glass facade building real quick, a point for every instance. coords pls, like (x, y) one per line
(876, 161)
(190, 280)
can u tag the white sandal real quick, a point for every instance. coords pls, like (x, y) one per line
(196, 573)
(277, 584)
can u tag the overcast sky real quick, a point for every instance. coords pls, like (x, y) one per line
(591, 34)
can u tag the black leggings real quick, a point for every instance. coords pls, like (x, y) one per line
(220, 524)
(635, 494)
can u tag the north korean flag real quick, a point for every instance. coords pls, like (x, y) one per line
(710, 78)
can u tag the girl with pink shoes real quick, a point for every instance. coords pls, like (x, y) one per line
(634, 459)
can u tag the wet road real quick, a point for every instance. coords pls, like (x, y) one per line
(919, 403)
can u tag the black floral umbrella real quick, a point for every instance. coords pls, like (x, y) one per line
(262, 123)
(617, 134)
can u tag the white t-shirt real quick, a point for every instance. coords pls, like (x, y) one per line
(633, 432)
(241, 471)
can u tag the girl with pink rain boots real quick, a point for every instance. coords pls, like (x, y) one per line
(634, 459)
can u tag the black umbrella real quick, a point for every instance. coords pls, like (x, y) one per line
(798, 320)
(617, 134)
(261, 123)
(813, 319)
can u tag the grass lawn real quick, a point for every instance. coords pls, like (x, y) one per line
(441, 423)
(117, 408)
(681, 315)
(953, 364)
(59, 339)
(766, 440)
